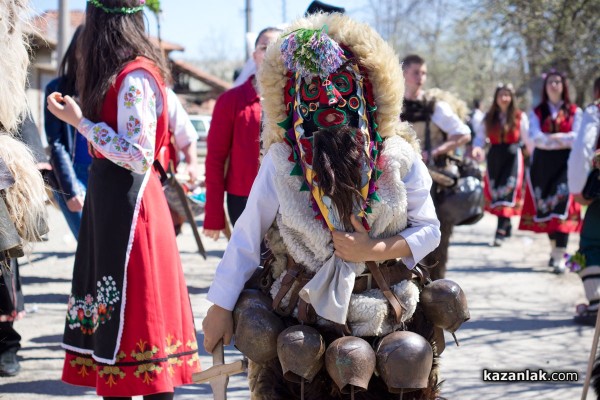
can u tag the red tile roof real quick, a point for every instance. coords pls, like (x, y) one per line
(201, 75)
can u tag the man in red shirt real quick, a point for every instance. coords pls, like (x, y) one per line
(232, 157)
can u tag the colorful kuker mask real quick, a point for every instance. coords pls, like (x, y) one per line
(325, 88)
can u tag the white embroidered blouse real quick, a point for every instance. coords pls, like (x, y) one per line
(583, 149)
(179, 122)
(554, 141)
(132, 145)
(481, 136)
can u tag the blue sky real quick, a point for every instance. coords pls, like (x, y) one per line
(205, 26)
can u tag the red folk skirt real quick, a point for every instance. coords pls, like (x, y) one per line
(153, 337)
(503, 180)
(548, 205)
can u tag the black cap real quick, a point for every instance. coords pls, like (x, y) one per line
(318, 6)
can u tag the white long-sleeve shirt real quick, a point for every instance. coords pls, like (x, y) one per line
(242, 255)
(583, 149)
(132, 145)
(448, 121)
(554, 141)
(179, 122)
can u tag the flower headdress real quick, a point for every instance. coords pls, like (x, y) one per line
(507, 86)
(552, 71)
(311, 52)
(118, 10)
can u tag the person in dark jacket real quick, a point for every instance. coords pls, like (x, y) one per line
(69, 156)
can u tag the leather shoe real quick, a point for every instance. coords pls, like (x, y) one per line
(498, 240)
(9, 364)
(586, 318)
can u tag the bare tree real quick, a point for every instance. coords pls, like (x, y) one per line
(219, 56)
(471, 45)
(429, 28)
(559, 34)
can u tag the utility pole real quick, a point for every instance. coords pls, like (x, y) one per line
(248, 26)
(64, 29)
(283, 12)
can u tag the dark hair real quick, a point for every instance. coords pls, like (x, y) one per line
(410, 60)
(108, 42)
(597, 87)
(69, 66)
(266, 30)
(492, 117)
(318, 6)
(338, 157)
(565, 93)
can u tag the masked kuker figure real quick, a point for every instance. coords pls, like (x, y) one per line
(22, 208)
(341, 194)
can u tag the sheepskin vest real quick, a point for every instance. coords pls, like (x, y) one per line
(305, 238)
(419, 113)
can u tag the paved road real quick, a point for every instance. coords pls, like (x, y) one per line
(521, 318)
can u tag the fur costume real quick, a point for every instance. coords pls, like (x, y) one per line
(25, 198)
(299, 234)
(371, 51)
(13, 63)
(309, 244)
(22, 193)
(439, 257)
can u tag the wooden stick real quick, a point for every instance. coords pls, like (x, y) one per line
(218, 374)
(219, 383)
(218, 370)
(590, 366)
(186, 208)
(227, 229)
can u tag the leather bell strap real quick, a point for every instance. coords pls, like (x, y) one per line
(295, 273)
(386, 290)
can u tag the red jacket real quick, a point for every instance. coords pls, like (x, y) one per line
(234, 135)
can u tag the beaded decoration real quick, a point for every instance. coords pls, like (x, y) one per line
(318, 96)
(118, 10)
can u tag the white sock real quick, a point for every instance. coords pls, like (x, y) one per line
(558, 253)
(590, 277)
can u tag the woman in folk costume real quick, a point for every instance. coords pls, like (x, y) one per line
(341, 185)
(22, 208)
(548, 206)
(504, 126)
(585, 158)
(129, 328)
